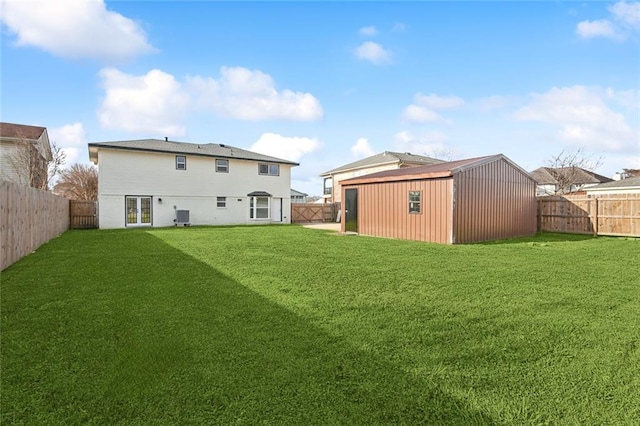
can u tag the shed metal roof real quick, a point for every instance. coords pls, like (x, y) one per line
(434, 171)
(386, 157)
(173, 147)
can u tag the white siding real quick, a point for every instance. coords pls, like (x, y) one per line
(129, 173)
(337, 191)
(9, 150)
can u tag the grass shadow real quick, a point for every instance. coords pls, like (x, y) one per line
(124, 328)
(544, 237)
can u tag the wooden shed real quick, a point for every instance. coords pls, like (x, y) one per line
(465, 201)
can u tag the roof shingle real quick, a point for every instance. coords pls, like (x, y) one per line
(207, 150)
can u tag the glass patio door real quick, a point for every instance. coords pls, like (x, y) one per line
(138, 210)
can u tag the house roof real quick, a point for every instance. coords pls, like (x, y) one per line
(21, 131)
(549, 175)
(386, 157)
(433, 171)
(298, 193)
(631, 183)
(173, 147)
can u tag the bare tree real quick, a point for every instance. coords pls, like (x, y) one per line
(78, 182)
(569, 167)
(627, 173)
(58, 159)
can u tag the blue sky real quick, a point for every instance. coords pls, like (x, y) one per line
(324, 84)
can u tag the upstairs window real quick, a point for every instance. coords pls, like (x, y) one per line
(269, 169)
(181, 162)
(222, 166)
(414, 201)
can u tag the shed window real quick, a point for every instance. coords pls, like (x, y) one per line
(221, 202)
(181, 162)
(269, 169)
(414, 201)
(222, 166)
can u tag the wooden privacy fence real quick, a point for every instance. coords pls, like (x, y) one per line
(28, 218)
(617, 214)
(83, 214)
(312, 212)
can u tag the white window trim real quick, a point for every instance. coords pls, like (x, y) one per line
(225, 168)
(419, 203)
(253, 209)
(268, 169)
(183, 162)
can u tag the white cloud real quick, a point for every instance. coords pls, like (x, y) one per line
(157, 102)
(152, 103)
(431, 144)
(251, 95)
(626, 13)
(72, 156)
(368, 31)
(600, 28)
(626, 98)
(373, 52)
(75, 29)
(71, 139)
(362, 148)
(423, 109)
(624, 20)
(421, 114)
(287, 148)
(399, 26)
(582, 118)
(68, 135)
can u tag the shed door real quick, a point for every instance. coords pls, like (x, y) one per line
(351, 210)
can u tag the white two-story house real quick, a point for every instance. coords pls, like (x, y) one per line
(159, 183)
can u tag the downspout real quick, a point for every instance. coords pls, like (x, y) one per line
(454, 222)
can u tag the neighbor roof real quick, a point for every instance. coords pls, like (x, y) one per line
(20, 131)
(632, 182)
(548, 175)
(385, 158)
(440, 170)
(207, 150)
(298, 193)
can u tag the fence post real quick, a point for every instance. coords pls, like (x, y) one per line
(595, 217)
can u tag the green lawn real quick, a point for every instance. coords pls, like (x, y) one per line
(288, 325)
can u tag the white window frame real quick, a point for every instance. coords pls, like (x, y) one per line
(415, 206)
(221, 202)
(182, 163)
(222, 165)
(253, 208)
(272, 169)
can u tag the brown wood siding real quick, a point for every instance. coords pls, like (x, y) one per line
(493, 201)
(383, 210)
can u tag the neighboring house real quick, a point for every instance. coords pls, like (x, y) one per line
(155, 182)
(376, 163)
(625, 186)
(565, 180)
(25, 153)
(464, 201)
(298, 197)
